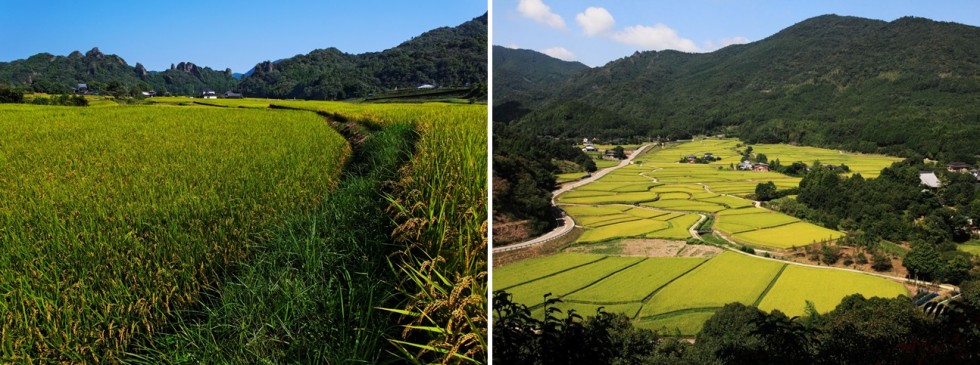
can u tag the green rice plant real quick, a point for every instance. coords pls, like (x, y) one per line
(589, 309)
(825, 288)
(520, 272)
(568, 281)
(729, 201)
(585, 193)
(678, 229)
(637, 282)
(683, 322)
(633, 228)
(794, 234)
(584, 210)
(441, 208)
(970, 247)
(713, 284)
(116, 218)
(675, 196)
(309, 295)
(646, 213)
(634, 188)
(621, 198)
(569, 177)
(684, 205)
(604, 220)
(755, 221)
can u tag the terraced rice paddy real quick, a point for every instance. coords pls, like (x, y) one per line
(675, 293)
(658, 182)
(824, 287)
(868, 166)
(657, 197)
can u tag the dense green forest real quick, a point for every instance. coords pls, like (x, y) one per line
(519, 76)
(906, 87)
(109, 74)
(857, 331)
(443, 57)
(523, 175)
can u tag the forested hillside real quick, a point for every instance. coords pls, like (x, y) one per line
(441, 57)
(109, 74)
(907, 87)
(446, 56)
(523, 78)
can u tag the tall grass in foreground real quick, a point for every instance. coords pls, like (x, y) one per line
(441, 208)
(309, 296)
(113, 219)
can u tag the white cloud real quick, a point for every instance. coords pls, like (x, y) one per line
(537, 10)
(595, 20)
(560, 53)
(657, 37)
(724, 42)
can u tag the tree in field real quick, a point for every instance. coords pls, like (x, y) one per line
(765, 191)
(619, 153)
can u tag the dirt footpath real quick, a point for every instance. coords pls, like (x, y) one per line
(648, 248)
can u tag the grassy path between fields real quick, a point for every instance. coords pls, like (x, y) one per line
(311, 294)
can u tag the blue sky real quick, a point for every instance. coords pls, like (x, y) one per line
(595, 32)
(219, 33)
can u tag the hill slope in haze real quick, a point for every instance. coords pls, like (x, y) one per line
(444, 57)
(524, 78)
(908, 87)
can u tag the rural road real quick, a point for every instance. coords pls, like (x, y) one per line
(567, 222)
(896, 278)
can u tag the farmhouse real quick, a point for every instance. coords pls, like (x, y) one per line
(81, 89)
(209, 94)
(929, 179)
(957, 167)
(692, 159)
(745, 165)
(231, 95)
(589, 148)
(150, 93)
(426, 86)
(760, 167)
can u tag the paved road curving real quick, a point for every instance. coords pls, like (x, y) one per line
(567, 222)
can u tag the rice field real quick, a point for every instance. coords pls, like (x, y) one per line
(637, 282)
(115, 218)
(825, 288)
(526, 270)
(712, 285)
(797, 234)
(680, 294)
(125, 215)
(568, 281)
(867, 165)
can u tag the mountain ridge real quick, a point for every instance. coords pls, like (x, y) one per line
(830, 81)
(450, 56)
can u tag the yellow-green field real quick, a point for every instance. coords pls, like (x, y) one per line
(681, 293)
(116, 217)
(824, 287)
(659, 182)
(115, 220)
(868, 166)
